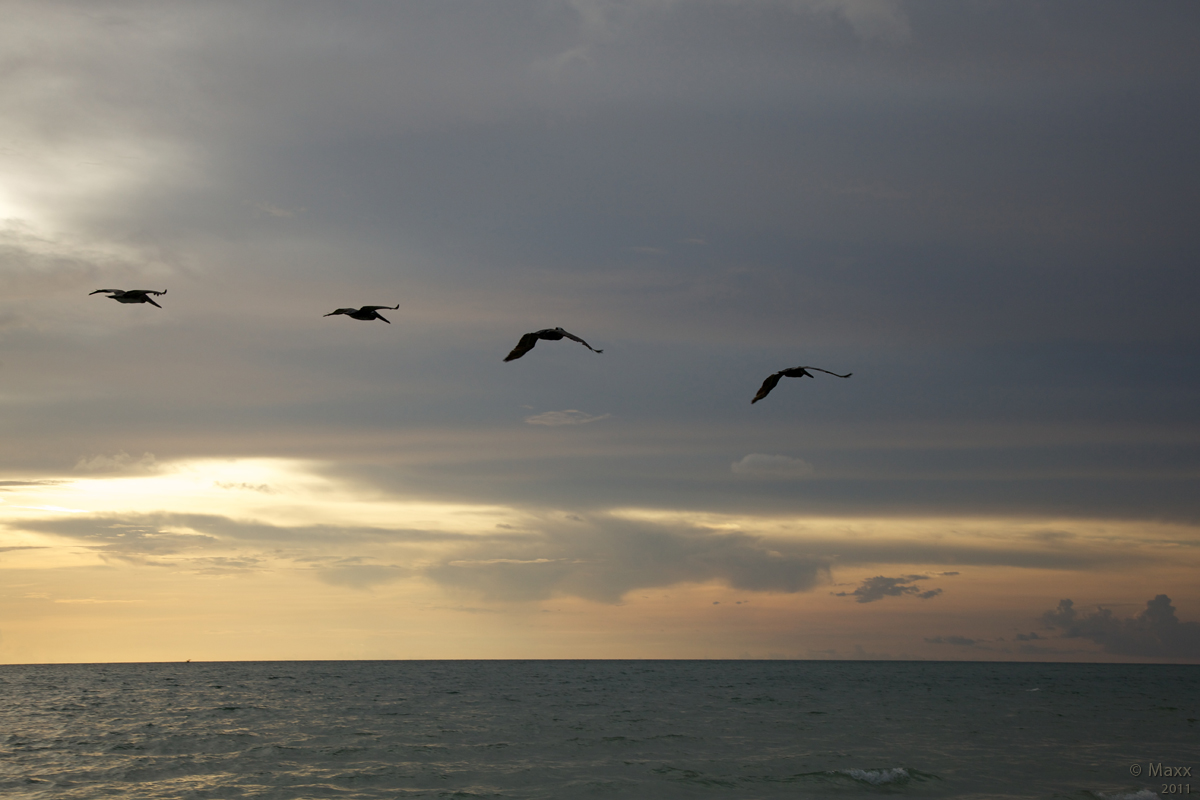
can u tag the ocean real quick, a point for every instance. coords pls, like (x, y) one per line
(598, 729)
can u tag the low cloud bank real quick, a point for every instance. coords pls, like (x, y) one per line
(603, 558)
(599, 558)
(1155, 632)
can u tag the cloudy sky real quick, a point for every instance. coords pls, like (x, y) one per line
(986, 211)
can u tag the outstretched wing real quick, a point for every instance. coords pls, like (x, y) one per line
(376, 308)
(575, 338)
(139, 296)
(770, 383)
(524, 346)
(827, 372)
(107, 291)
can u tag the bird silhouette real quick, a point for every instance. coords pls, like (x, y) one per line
(795, 372)
(364, 313)
(130, 295)
(553, 334)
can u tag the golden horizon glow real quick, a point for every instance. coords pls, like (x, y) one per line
(260, 559)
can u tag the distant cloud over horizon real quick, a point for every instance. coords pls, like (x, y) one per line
(1155, 632)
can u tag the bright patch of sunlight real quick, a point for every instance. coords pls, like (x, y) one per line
(274, 491)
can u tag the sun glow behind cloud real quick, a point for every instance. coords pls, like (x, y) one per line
(208, 539)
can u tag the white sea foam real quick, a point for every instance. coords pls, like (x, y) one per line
(877, 777)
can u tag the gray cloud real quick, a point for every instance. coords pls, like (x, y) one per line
(601, 559)
(879, 587)
(1155, 632)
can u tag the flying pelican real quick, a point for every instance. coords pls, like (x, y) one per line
(553, 334)
(795, 372)
(130, 295)
(364, 313)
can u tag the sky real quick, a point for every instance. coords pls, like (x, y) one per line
(985, 211)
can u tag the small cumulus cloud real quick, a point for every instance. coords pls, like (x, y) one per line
(879, 587)
(772, 466)
(569, 417)
(957, 641)
(244, 487)
(1155, 632)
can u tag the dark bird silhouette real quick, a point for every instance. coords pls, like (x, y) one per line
(795, 372)
(130, 295)
(553, 334)
(364, 313)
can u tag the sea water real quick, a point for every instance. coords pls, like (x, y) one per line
(598, 729)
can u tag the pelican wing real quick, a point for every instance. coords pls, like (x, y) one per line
(524, 346)
(573, 337)
(107, 291)
(376, 308)
(770, 383)
(145, 291)
(827, 372)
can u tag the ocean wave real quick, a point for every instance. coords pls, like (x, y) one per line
(877, 777)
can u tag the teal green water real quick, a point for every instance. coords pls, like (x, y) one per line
(597, 729)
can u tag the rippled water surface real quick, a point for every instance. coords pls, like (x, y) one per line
(602, 729)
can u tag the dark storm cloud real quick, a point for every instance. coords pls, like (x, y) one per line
(1155, 632)
(986, 211)
(879, 587)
